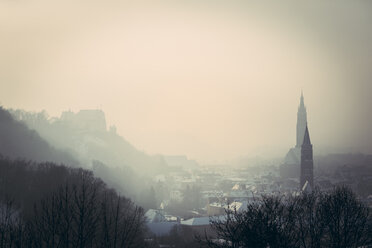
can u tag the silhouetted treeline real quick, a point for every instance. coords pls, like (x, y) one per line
(18, 141)
(335, 219)
(45, 205)
(180, 236)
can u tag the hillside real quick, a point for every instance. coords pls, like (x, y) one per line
(19, 141)
(85, 133)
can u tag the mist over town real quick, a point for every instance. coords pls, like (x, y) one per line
(185, 124)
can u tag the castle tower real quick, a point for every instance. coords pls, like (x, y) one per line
(301, 122)
(307, 161)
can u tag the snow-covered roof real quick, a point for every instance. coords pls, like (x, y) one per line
(238, 205)
(293, 156)
(307, 187)
(153, 215)
(200, 221)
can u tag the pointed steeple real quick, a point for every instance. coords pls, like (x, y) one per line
(307, 164)
(306, 137)
(302, 104)
(301, 121)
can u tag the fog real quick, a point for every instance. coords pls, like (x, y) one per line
(213, 80)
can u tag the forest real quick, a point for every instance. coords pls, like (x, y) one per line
(49, 205)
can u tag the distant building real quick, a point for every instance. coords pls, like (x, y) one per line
(291, 166)
(307, 164)
(176, 195)
(159, 223)
(181, 161)
(202, 225)
(154, 216)
(87, 119)
(216, 208)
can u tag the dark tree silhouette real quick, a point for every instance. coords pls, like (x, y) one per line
(309, 219)
(317, 219)
(265, 223)
(8, 222)
(75, 210)
(346, 219)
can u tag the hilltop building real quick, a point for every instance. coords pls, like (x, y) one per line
(86, 119)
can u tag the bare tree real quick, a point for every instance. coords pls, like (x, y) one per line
(310, 225)
(317, 219)
(65, 208)
(8, 220)
(87, 214)
(85, 209)
(346, 219)
(265, 223)
(47, 220)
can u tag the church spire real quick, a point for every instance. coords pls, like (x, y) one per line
(302, 104)
(301, 121)
(306, 137)
(307, 165)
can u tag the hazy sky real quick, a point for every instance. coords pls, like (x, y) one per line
(213, 80)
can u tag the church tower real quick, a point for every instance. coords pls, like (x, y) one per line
(306, 161)
(301, 122)
(292, 162)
